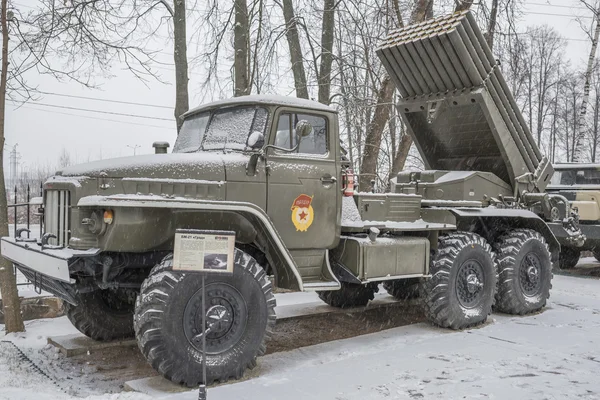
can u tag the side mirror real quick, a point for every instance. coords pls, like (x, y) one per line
(303, 129)
(256, 140)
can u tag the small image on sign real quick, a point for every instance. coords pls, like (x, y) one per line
(215, 261)
(203, 251)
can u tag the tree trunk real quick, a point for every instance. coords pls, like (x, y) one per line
(240, 43)
(326, 51)
(401, 155)
(462, 5)
(368, 166)
(489, 35)
(182, 103)
(596, 128)
(8, 284)
(293, 40)
(586, 92)
(421, 11)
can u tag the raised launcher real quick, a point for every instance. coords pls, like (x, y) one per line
(457, 104)
(463, 117)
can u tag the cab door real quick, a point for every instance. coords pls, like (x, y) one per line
(303, 187)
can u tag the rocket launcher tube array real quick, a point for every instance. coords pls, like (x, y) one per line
(449, 55)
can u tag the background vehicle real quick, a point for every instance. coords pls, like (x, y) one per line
(471, 233)
(580, 185)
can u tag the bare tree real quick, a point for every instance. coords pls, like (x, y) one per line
(595, 9)
(327, 31)
(8, 285)
(241, 42)
(178, 16)
(492, 22)
(462, 5)
(593, 135)
(293, 39)
(546, 48)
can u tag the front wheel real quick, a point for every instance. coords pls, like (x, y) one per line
(524, 271)
(461, 290)
(239, 311)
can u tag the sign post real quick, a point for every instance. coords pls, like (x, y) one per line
(204, 252)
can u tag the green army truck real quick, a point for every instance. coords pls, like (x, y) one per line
(579, 183)
(471, 233)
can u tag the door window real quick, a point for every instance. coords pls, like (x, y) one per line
(314, 143)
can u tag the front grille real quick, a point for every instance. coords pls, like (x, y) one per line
(57, 215)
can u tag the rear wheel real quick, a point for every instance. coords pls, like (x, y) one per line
(463, 281)
(240, 315)
(524, 271)
(103, 314)
(403, 289)
(349, 295)
(569, 257)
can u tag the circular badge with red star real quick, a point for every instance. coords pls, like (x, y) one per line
(302, 212)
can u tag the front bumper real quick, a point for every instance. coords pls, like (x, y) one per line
(53, 263)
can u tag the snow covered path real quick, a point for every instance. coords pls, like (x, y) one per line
(552, 355)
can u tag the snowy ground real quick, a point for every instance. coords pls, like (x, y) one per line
(551, 355)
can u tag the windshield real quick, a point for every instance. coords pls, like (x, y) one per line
(576, 177)
(221, 129)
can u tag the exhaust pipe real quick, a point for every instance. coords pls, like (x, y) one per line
(160, 147)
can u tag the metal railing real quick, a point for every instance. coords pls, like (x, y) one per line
(16, 206)
(27, 205)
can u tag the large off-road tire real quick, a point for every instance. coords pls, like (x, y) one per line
(462, 288)
(524, 272)
(403, 289)
(349, 295)
(240, 311)
(103, 314)
(568, 258)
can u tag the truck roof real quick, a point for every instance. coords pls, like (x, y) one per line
(264, 100)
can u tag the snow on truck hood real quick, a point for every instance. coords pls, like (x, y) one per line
(202, 165)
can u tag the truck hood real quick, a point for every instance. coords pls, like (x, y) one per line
(204, 165)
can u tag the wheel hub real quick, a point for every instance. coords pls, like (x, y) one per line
(529, 275)
(532, 274)
(469, 283)
(226, 315)
(218, 319)
(473, 283)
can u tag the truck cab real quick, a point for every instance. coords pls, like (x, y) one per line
(579, 184)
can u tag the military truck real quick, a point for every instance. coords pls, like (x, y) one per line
(471, 233)
(580, 184)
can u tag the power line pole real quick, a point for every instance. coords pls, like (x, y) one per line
(134, 147)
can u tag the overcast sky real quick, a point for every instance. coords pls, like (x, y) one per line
(42, 132)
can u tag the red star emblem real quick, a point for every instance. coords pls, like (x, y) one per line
(303, 215)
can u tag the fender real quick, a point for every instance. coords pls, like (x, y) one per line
(489, 218)
(287, 274)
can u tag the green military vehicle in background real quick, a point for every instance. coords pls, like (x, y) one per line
(472, 232)
(580, 184)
